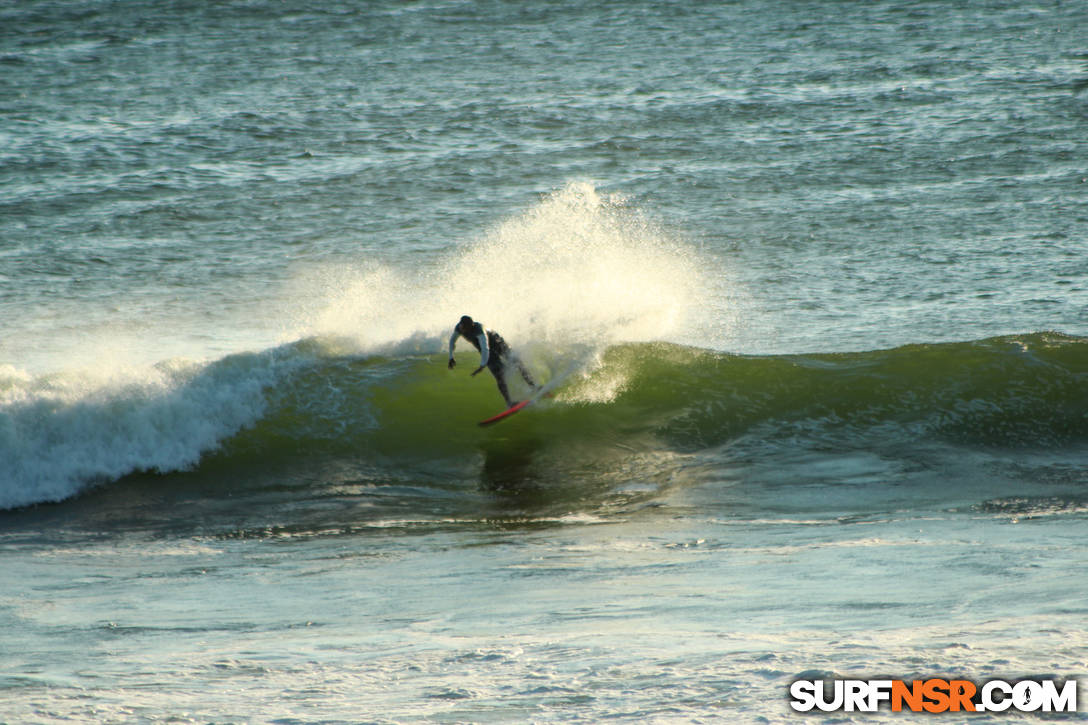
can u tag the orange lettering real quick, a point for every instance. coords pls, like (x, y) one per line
(936, 691)
(901, 694)
(961, 692)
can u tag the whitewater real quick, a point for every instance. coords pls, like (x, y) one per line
(590, 274)
(810, 287)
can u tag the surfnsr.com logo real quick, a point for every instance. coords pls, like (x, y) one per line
(934, 695)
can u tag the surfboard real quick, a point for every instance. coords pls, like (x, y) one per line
(544, 392)
(506, 413)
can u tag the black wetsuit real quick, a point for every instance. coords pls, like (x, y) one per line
(497, 347)
(498, 352)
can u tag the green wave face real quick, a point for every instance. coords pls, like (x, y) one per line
(1013, 391)
(1028, 390)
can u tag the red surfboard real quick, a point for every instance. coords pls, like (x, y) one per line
(506, 413)
(542, 393)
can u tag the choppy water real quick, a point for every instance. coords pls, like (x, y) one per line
(810, 278)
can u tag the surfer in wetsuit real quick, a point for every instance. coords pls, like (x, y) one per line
(494, 354)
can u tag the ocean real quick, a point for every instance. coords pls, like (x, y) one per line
(808, 281)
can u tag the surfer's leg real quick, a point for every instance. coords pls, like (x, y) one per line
(499, 371)
(525, 373)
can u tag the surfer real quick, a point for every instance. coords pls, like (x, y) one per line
(494, 354)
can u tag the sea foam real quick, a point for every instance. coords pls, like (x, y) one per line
(61, 433)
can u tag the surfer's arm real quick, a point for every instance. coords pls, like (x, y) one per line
(485, 352)
(453, 341)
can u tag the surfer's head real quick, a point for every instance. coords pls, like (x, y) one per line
(466, 323)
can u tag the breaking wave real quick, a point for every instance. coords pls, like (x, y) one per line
(320, 400)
